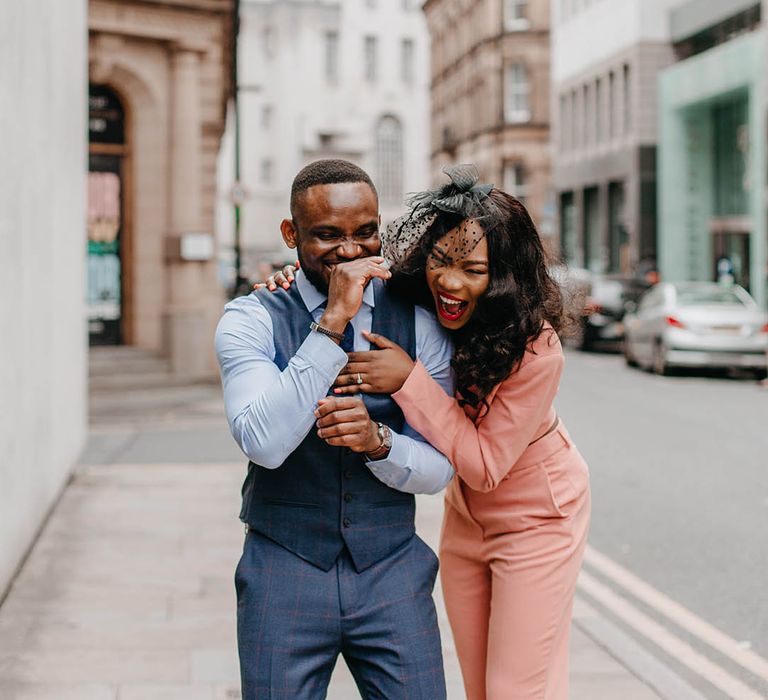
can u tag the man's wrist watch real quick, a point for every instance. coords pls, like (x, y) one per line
(326, 331)
(385, 438)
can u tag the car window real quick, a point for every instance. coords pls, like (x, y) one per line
(706, 296)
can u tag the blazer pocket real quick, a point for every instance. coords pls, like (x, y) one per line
(288, 504)
(390, 504)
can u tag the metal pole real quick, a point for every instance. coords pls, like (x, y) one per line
(239, 279)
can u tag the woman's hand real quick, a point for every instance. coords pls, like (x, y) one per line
(283, 278)
(382, 371)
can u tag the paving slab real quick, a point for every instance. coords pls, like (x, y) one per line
(128, 593)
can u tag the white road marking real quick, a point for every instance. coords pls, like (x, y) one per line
(681, 616)
(664, 639)
(664, 681)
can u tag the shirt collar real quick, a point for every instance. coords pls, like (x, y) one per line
(312, 297)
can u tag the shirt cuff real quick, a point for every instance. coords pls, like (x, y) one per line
(321, 353)
(391, 469)
(413, 386)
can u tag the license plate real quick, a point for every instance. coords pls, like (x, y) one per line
(725, 330)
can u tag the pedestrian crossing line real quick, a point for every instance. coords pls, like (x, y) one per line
(681, 616)
(679, 650)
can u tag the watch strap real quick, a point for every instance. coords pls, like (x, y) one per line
(385, 442)
(326, 331)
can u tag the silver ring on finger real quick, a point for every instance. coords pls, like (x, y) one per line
(359, 379)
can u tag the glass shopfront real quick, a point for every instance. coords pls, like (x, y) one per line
(105, 216)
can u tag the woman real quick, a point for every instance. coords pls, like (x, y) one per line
(516, 518)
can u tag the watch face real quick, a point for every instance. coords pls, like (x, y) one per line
(386, 436)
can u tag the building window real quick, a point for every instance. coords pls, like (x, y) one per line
(514, 181)
(266, 116)
(268, 42)
(611, 105)
(516, 15)
(589, 114)
(573, 116)
(265, 174)
(568, 238)
(599, 121)
(516, 94)
(593, 259)
(627, 100)
(332, 56)
(617, 229)
(562, 121)
(389, 159)
(406, 60)
(370, 49)
(730, 148)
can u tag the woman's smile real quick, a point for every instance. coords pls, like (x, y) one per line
(451, 308)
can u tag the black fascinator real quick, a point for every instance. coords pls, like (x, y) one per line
(460, 200)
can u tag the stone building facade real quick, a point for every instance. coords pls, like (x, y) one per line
(607, 55)
(490, 95)
(713, 150)
(159, 83)
(333, 79)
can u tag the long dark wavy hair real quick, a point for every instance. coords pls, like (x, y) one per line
(521, 296)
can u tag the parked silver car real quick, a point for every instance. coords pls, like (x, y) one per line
(696, 324)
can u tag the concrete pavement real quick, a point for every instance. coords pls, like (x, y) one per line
(128, 595)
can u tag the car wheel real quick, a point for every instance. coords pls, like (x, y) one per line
(761, 374)
(629, 358)
(659, 363)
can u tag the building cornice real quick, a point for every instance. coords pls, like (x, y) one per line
(218, 6)
(498, 131)
(174, 24)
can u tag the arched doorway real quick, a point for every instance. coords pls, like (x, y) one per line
(107, 226)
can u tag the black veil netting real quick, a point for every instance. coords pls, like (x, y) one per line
(460, 204)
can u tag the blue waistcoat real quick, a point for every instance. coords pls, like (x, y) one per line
(323, 498)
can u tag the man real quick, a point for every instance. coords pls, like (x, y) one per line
(331, 563)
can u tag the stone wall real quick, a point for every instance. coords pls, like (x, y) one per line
(43, 93)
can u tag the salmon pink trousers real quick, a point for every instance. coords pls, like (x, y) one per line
(509, 563)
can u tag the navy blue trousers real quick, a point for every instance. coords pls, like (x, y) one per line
(294, 619)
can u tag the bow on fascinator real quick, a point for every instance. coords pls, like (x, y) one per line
(461, 196)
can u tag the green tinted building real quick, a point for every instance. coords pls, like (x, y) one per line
(712, 146)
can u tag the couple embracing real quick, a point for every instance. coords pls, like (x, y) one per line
(359, 382)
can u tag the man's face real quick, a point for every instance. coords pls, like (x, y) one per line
(333, 224)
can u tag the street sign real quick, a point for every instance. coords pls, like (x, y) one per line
(239, 194)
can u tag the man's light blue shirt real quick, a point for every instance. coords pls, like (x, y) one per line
(270, 412)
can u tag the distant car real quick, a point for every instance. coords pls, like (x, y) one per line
(696, 324)
(605, 301)
(574, 283)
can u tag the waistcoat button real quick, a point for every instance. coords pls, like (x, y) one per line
(348, 474)
(348, 497)
(346, 522)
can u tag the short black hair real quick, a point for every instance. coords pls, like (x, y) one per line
(327, 172)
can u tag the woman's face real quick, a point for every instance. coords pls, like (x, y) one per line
(457, 273)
